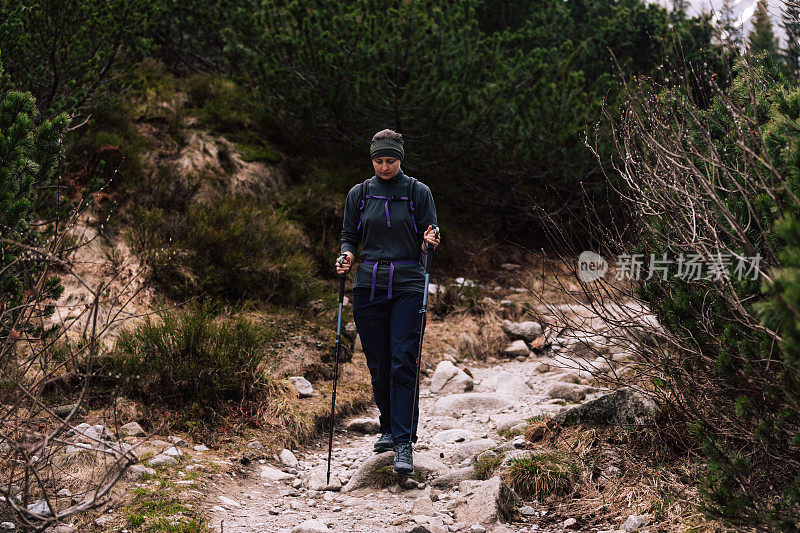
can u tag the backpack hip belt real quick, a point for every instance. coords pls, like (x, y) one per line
(391, 263)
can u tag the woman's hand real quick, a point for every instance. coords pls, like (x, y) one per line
(430, 239)
(346, 264)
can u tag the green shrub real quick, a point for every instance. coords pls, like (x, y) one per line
(194, 361)
(239, 249)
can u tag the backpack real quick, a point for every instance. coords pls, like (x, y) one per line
(409, 198)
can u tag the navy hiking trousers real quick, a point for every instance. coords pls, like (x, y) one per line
(389, 331)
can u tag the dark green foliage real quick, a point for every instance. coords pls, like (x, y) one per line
(762, 37)
(791, 25)
(493, 97)
(29, 159)
(69, 54)
(193, 360)
(233, 248)
(747, 435)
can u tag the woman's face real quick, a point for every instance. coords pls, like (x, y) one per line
(386, 167)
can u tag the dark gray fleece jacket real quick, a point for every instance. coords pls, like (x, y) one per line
(379, 240)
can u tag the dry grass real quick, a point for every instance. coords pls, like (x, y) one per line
(601, 476)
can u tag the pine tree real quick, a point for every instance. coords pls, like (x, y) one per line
(29, 158)
(762, 37)
(791, 24)
(731, 34)
(679, 11)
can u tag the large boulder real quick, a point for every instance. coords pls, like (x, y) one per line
(485, 502)
(622, 407)
(526, 331)
(455, 435)
(479, 402)
(467, 450)
(424, 464)
(454, 477)
(448, 379)
(512, 385)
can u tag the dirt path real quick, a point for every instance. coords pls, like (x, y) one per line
(453, 428)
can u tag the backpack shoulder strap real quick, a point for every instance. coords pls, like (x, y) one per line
(362, 202)
(412, 184)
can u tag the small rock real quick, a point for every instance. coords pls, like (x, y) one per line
(517, 348)
(635, 522)
(229, 503)
(137, 472)
(255, 445)
(172, 451)
(7, 526)
(572, 392)
(303, 386)
(288, 458)
(542, 367)
(132, 429)
(467, 450)
(40, 508)
(527, 510)
(526, 331)
(477, 528)
(200, 448)
(447, 379)
(162, 460)
(177, 441)
(368, 426)
(64, 410)
(569, 523)
(317, 480)
(103, 521)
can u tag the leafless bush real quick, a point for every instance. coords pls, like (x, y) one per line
(51, 467)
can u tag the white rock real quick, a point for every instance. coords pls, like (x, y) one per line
(569, 523)
(255, 445)
(7, 526)
(303, 386)
(485, 502)
(273, 474)
(177, 441)
(517, 348)
(311, 526)
(162, 460)
(172, 451)
(635, 522)
(467, 450)
(569, 391)
(474, 401)
(200, 448)
(229, 503)
(512, 385)
(40, 508)
(454, 435)
(131, 429)
(368, 426)
(522, 330)
(318, 480)
(288, 458)
(137, 472)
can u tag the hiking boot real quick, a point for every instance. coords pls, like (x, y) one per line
(403, 464)
(384, 444)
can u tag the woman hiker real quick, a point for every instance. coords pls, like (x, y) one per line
(393, 216)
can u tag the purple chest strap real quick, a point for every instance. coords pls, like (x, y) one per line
(391, 264)
(386, 209)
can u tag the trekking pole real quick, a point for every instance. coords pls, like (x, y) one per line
(342, 278)
(424, 313)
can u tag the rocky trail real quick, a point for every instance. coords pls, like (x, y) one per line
(464, 415)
